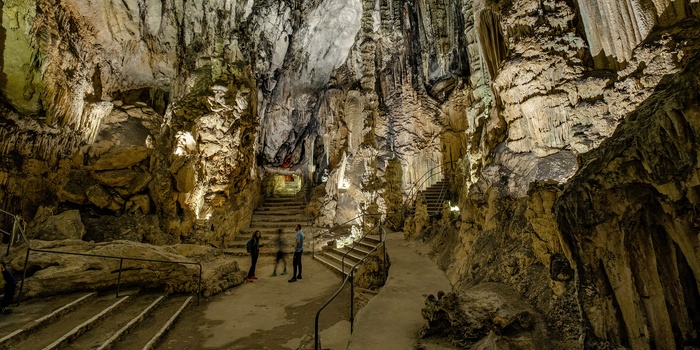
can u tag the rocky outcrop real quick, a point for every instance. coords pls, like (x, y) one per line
(50, 274)
(627, 218)
(488, 316)
(66, 225)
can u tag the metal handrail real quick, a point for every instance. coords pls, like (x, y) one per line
(355, 243)
(413, 192)
(121, 261)
(350, 277)
(441, 199)
(15, 227)
(314, 237)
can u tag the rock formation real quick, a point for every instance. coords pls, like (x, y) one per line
(567, 131)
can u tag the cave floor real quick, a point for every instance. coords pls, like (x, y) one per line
(271, 313)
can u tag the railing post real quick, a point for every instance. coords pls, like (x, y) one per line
(352, 299)
(24, 276)
(15, 227)
(12, 236)
(199, 284)
(119, 279)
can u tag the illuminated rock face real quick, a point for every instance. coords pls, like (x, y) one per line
(154, 119)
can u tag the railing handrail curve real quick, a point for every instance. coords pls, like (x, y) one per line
(350, 277)
(413, 192)
(329, 230)
(355, 243)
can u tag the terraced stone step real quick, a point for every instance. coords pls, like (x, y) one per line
(247, 232)
(266, 251)
(281, 224)
(350, 255)
(57, 334)
(280, 208)
(36, 314)
(267, 237)
(282, 201)
(154, 326)
(111, 330)
(277, 218)
(332, 263)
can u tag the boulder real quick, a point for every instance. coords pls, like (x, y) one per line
(186, 177)
(140, 203)
(116, 178)
(72, 192)
(98, 196)
(487, 316)
(121, 158)
(66, 225)
(66, 273)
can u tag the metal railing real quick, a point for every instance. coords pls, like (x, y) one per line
(422, 182)
(339, 227)
(121, 264)
(342, 260)
(351, 278)
(17, 226)
(121, 260)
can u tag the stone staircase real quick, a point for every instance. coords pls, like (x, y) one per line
(273, 214)
(332, 257)
(435, 196)
(94, 320)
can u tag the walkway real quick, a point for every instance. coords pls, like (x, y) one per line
(271, 313)
(392, 319)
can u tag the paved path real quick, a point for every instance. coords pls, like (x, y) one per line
(271, 313)
(392, 319)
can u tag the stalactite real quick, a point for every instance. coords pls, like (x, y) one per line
(494, 48)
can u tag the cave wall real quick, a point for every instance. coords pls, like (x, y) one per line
(164, 87)
(628, 220)
(153, 119)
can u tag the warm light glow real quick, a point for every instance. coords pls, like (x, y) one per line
(184, 142)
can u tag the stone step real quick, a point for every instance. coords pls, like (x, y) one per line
(433, 193)
(36, 314)
(331, 263)
(282, 201)
(154, 326)
(279, 224)
(280, 209)
(266, 251)
(268, 238)
(71, 325)
(119, 325)
(266, 231)
(337, 261)
(277, 218)
(352, 256)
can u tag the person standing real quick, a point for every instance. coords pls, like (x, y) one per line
(298, 250)
(10, 284)
(280, 254)
(254, 252)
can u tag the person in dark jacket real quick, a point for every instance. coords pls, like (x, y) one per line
(10, 286)
(254, 251)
